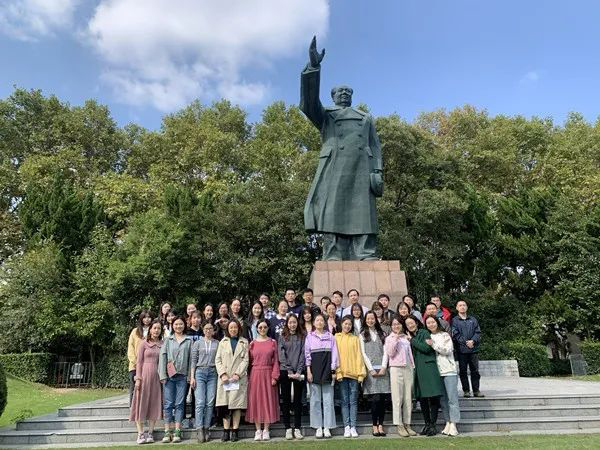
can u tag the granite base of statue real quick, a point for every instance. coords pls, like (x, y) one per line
(370, 278)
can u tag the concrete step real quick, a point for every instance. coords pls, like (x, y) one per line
(55, 422)
(479, 403)
(109, 435)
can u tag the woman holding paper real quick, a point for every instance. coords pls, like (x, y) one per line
(232, 367)
(263, 396)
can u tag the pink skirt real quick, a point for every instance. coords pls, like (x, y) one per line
(263, 397)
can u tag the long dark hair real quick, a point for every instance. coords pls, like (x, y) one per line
(163, 317)
(417, 321)
(250, 319)
(305, 309)
(437, 322)
(140, 324)
(217, 314)
(158, 321)
(237, 322)
(378, 305)
(286, 329)
(367, 333)
(351, 319)
(400, 304)
(359, 306)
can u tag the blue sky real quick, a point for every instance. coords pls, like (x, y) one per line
(511, 57)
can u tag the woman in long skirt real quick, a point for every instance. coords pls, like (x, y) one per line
(263, 396)
(147, 404)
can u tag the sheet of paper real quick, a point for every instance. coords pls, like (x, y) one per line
(231, 386)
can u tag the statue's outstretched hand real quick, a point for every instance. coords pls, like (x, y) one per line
(314, 56)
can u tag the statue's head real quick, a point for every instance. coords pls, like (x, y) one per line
(342, 95)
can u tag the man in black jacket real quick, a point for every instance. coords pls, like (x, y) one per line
(467, 337)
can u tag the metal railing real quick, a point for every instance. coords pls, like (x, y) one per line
(72, 374)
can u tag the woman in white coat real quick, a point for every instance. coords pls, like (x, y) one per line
(231, 363)
(441, 342)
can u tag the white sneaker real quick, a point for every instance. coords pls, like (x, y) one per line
(266, 436)
(319, 433)
(149, 437)
(453, 431)
(446, 428)
(298, 434)
(258, 435)
(326, 433)
(346, 432)
(141, 439)
(353, 432)
(289, 434)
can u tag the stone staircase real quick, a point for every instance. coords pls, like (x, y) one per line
(106, 421)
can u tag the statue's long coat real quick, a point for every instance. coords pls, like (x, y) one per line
(340, 199)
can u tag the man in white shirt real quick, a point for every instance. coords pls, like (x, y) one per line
(353, 296)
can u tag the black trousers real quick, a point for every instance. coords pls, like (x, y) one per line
(430, 407)
(470, 360)
(287, 385)
(377, 408)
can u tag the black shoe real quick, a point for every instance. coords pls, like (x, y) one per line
(234, 436)
(478, 394)
(226, 436)
(466, 394)
(432, 431)
(376, 433)
(425, 430)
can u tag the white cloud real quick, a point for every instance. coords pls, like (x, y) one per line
(29, 20)
(165, 53)
(530, 77)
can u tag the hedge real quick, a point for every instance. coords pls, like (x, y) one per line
(591, 354)
(111, 371)
(3, 389)
(532, 358)
(36, 367)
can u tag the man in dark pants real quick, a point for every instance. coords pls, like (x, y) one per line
(467, 336)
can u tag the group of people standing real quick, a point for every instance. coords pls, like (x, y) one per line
(271, 362)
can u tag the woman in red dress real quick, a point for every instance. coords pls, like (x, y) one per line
(263, 395)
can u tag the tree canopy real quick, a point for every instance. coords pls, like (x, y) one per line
(99, 221)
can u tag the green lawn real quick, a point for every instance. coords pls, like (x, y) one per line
(27, 399)
(517, 442)
(577, 378)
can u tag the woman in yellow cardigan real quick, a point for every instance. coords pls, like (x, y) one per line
(350, 372)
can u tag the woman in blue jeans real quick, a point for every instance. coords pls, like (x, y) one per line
(174, 369)
(204, 379)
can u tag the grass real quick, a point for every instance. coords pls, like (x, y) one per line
(26, 399)
(579, 441)
(577, 377)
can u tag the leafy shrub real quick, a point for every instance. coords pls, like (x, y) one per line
(111, 372)
(35, 367)
(3, 389)
(532, 358)
(591, 354)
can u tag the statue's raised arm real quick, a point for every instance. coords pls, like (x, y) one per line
(310, 104)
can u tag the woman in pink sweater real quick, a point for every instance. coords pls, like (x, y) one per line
(401, 364)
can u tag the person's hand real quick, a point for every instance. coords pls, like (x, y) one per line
(138, 384)
(381, 372)
(373, 373)
(314, 56)
(429, 342)
(470, 344)
(309, 377)
(235, 378)
(224, 378)
(273, 382)
(163, 381)
(193, 383)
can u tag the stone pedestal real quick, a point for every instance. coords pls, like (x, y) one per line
(370, 278)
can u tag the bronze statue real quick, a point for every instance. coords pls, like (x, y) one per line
(341, 200)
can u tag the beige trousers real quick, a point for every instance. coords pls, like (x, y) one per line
(401, 382)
